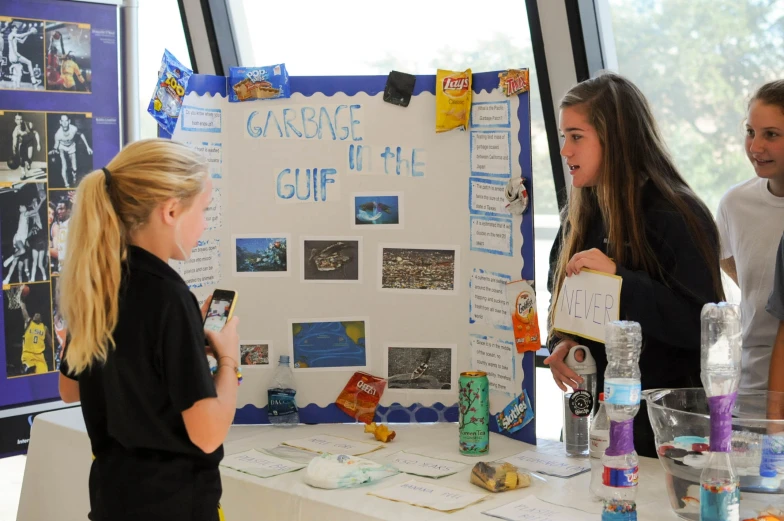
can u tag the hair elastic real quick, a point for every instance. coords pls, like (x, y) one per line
(108, 176)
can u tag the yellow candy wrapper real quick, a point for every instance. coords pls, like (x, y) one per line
(514, 81)
(499, 476)
(453, 100)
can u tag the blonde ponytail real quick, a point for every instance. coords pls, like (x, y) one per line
(144, 175)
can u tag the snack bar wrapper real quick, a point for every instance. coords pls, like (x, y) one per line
(359, 399)
(453, 100)
(516, 415)
(169, 93)
(525, 321)
(255, 83)
(514, 81)
(499, 476)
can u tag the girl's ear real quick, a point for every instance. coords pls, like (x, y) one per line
(170, 211)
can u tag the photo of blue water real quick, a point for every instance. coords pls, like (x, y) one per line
(377, 209)
(329, 344)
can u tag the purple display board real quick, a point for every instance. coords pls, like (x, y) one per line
(59, 120)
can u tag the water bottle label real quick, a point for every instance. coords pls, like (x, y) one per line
(581, 403)
(621, 478)
(281, 404)
(622, 394)
(600, 440)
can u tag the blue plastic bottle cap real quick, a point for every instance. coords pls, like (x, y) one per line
(768, 473)
(284, 359)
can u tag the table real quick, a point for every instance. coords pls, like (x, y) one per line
(58, 464)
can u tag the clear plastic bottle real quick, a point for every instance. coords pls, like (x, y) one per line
(600, 440)
(622, 388)
(281, 404)
(720, 365)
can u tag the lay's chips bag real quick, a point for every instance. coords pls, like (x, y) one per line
(453, 100)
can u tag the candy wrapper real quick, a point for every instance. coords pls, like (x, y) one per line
(169, 93)
(360, 397)
(516, 415)
(514, 81)
(255, 83)
(499, 477)
(453, 100)
(525, 321)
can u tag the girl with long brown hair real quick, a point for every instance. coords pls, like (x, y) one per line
(630, 213)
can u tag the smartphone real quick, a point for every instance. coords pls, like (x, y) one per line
(221, 309)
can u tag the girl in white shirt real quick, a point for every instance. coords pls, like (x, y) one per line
(751, 222)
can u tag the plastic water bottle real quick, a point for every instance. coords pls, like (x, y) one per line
(281, 404)
(579, 405)
(720, 366)
(600, 440)
(622, 401)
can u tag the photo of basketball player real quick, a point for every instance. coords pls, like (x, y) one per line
(60, 330)
(70, 148)
(22, 146)
(28, 340)
(21, 54)
(24, 237)
(68, 60)
(59, 216)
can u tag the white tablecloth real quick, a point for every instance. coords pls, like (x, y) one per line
(58, 463)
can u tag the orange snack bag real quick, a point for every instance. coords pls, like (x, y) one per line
(525, 321)
(360, 397)
(453, 100)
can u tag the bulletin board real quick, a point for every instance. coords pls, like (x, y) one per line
(359, 239)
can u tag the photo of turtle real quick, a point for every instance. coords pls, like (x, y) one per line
(331, 259)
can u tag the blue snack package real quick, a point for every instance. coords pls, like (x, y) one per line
(255, 83)
(516, 415)
(169, 93)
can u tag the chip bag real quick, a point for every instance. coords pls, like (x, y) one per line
(169, 93)
(525, 321)
(255, 83)
(359, 399)
(453, 100)
(499, 476)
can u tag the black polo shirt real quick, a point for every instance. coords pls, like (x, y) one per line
(146, 467)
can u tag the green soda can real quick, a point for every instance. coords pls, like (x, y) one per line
(473, 401)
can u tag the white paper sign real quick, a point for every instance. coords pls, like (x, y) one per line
(491, 235)
(197, 119)
(495, 357)
(427, 495)
(490, 114)
(203, 268)
(324, 443)
(490, 154)
(214, 214)
(488, 303)
(420, 465)
(558, 466)
(587, 302)
(259, 464)
(488, 196)
(213, 153)
(532, 508)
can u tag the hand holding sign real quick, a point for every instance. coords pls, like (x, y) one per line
(592, 259)
(587, 301)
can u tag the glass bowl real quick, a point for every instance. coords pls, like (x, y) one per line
(681, 425)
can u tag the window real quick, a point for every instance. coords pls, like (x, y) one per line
(346, 37)
(160, 28)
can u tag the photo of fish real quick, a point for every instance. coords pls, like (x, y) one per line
(331, 259)
(415, 367)
(334, 344)
(418, 269)
(383, 209)
(261, 255)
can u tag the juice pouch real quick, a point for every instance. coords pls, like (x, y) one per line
(255, 83)
(453, 100)
(525, 322)
(169, 93)
(360, 397)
